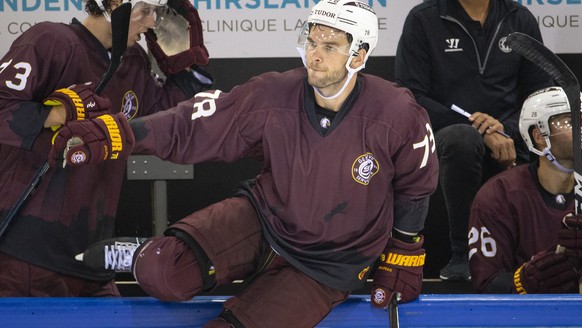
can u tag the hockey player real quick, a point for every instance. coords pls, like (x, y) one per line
(516, 218)
(349, 164)
(47, 78)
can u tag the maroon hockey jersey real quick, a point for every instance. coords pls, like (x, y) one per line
(325, 198)
(512, 219)
(72, 207)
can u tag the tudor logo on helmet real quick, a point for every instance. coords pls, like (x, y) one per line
(324, 13)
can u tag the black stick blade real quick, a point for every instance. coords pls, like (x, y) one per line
(534, 51)
(119, 29)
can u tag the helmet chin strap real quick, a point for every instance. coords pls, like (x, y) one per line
(548, 154)
(107, 16)
(101, 4)
(351, 73)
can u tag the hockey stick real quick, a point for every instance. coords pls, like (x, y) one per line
(120, 26)
(393, 312)
(119, 29)
(7, 218)
(544, 58)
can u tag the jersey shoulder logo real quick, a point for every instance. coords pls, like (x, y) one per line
(129, 105)
(364, 168)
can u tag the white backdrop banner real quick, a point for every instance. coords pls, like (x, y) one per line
(269, 28)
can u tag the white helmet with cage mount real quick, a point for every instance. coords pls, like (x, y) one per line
(537, 110)
(351, 16)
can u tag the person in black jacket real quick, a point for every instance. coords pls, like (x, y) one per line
(453, 52)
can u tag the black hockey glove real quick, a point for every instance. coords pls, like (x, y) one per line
(79, 101)
(171, 55)
(547, 272)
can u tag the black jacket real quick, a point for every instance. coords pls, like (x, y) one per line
(443, 64)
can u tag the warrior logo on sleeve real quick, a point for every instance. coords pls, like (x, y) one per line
(364, 168)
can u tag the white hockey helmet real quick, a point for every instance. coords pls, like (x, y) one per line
(537, 110)
(351, 16)
(155, 3)
(159, 3)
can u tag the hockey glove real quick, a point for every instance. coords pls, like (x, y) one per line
(107, 137)
(399, 271)
(79, 101)
(547, 272)
(167, 35)
(570, 237)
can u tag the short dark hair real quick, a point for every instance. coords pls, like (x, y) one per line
(92, 7)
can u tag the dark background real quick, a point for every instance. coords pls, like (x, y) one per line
(214, 181)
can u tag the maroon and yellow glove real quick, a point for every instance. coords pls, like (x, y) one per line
(107, 137)
(196, 54)
(547, 272)
(79, 101)
(570, 237)
(399, 271)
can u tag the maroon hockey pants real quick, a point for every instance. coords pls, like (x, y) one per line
(22, 279)
(229, 232)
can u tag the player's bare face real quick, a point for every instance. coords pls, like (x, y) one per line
(561, 137)
(143, 17)
(326, 54)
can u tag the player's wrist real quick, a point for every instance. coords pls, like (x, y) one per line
(70, 101)
(409, 238)
(57, 116)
